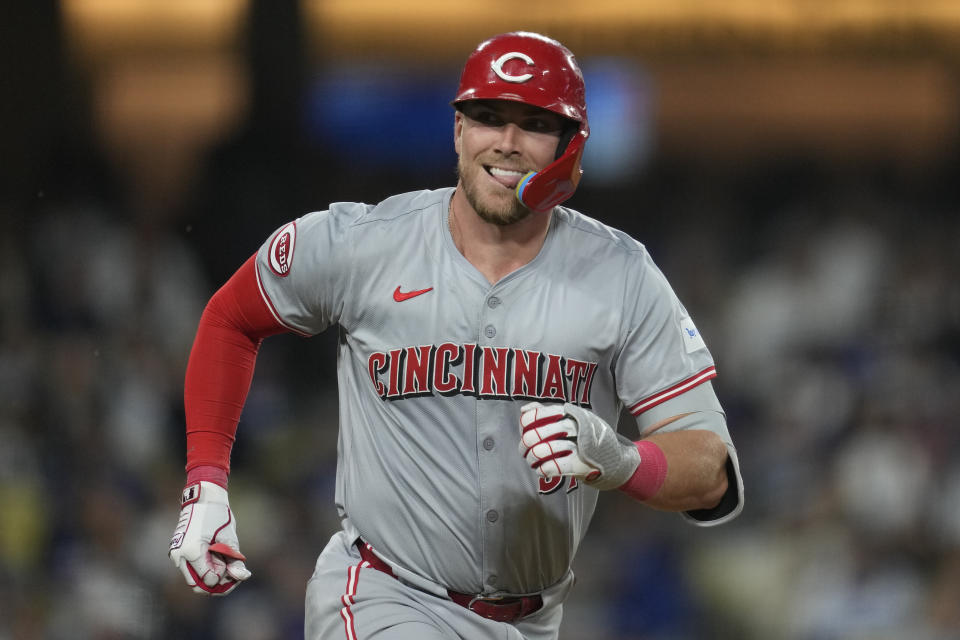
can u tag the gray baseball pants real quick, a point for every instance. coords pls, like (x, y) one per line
(348, 601)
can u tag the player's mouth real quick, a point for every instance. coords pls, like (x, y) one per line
(509, 178)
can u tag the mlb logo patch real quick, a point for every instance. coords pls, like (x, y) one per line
(692, 340)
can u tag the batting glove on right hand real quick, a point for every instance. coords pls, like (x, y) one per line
(204, 545)
(567, 440)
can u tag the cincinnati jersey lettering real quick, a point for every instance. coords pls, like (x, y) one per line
(506, 373)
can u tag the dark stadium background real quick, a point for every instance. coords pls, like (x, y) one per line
(792, 166)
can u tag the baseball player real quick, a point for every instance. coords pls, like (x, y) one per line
(489, 339)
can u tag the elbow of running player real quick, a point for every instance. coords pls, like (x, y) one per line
(714, 495)
(713, 466)
(696, 471)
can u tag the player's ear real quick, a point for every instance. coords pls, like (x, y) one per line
(457, 130)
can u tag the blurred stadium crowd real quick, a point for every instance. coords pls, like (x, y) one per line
(828, 297)
(834, 321)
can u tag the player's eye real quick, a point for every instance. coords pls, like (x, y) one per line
(489, 118)
(542, 124)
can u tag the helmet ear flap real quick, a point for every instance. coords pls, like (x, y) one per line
(545, 189)
(565, 139)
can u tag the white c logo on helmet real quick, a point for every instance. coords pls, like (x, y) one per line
(497, 66)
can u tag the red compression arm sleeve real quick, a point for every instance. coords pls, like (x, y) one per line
(220, 369)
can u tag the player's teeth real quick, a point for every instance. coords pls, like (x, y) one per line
(506, 173)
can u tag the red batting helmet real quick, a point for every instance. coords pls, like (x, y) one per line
(536, 70)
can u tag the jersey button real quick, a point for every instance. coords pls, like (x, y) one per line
(492, 515)
(490, 331)
(488, 443)
(492, 580)
(493, 302)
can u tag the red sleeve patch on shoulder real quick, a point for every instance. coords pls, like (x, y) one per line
(281, 250)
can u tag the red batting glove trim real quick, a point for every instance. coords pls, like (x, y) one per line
(208, 473)
(650, 474)
(227, 551)
(217, 589)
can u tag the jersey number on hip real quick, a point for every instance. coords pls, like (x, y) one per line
(549, 485)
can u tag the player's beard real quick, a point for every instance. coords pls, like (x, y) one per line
(500, 209)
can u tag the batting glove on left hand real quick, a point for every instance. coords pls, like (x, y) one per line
(204, 545)
(567, 440)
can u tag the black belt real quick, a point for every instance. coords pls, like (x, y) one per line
(508, 609)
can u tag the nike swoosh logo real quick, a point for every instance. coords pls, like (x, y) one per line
(400, 296)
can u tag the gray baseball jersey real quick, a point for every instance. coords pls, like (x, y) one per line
(435, 362)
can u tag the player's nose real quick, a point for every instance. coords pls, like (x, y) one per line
(509, 141)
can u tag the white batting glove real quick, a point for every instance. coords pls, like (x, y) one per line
(567, 440)
(204, 545)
